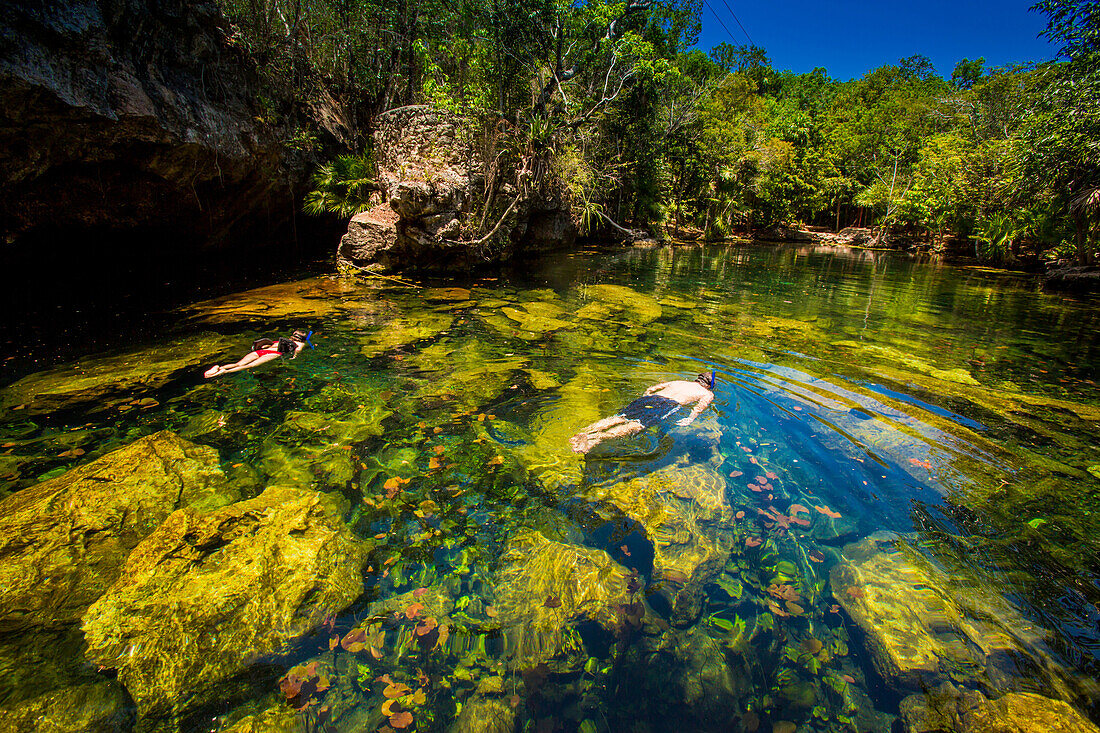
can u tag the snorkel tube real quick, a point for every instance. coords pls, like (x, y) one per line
(313, 347)
(711, 377)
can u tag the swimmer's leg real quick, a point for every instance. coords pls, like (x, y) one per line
(616, 427)
(581, 441)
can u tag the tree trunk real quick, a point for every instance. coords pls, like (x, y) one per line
(1080, 223)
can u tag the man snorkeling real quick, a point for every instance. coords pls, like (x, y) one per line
(659, 402)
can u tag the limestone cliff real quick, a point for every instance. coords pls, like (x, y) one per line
(118, 115)
(432, 177)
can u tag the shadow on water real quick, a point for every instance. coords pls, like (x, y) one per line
(897, 487)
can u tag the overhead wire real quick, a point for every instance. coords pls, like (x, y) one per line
(719, 19)
(738, 22)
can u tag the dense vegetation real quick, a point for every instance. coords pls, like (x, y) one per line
(611, 102)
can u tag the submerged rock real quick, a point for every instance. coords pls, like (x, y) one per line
(923, 626)
(105, 380)
(62, 542)
(205, 596)
(969, 711)
(305, 300)
(277, 719)
(310, 450)
(619, 303)
(96, 707)
(485, 715)
(544, 586)
(404, 330)
(470, 371)
(683, 512)
(547, 454)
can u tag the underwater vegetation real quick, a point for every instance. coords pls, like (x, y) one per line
(888, 520)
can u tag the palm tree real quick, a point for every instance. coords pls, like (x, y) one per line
(1084, 207)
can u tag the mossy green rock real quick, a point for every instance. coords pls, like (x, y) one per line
(277, 719)
(96, 707)
(405, 330)
(683, 511)
(924, 626)
(63, 541)
(104, 380)
(310, 450)
(485, 715)
(302, 299)
(969, 711)
(681, 680)
(547, 454)
(544, 586)
(619, 302)
(206, 595)
(530, 321)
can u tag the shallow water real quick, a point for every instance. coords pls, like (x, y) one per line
(950, 415)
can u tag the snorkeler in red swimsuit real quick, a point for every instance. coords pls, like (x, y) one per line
(261, 354)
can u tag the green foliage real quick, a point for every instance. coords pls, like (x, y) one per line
(342, 187)
(608, 105)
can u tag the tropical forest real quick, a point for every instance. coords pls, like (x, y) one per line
(529, 366)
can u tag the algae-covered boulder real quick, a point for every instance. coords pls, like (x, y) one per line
(547, 454)
(543, 587)
(968, 711)
(470, 371)
(485, 715)
(404, 330)
(310, 449)
(95, 707)
(619, 303)
(100, 381)
(307, 300)
(63, 541)
(683, 511)
(206, 595)
(277, 719)
(924, 626)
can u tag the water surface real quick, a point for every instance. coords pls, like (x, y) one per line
(877, 421)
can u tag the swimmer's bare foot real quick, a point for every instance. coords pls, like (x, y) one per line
(212, 371)
(581, 443)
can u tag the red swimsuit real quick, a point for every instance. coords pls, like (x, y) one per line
(265, 352)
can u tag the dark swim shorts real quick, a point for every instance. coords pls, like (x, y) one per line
(650, 410)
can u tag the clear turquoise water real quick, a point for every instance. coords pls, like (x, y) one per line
(950, 412)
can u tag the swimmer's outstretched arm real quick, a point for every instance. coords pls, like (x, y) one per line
(703, 404)
(656, 388)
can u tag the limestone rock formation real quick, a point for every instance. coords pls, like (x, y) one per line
(63, 541)
(682, 509)
(431, 173)
(206, 595)
(99, 381)
(95, 707)
(485, 715)
(277, 719)
(544, 586)
(117, 115)
(305, 301)
(309, 450)
(923, 626)
(969, 711)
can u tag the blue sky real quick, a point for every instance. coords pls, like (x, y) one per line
(851, 38)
